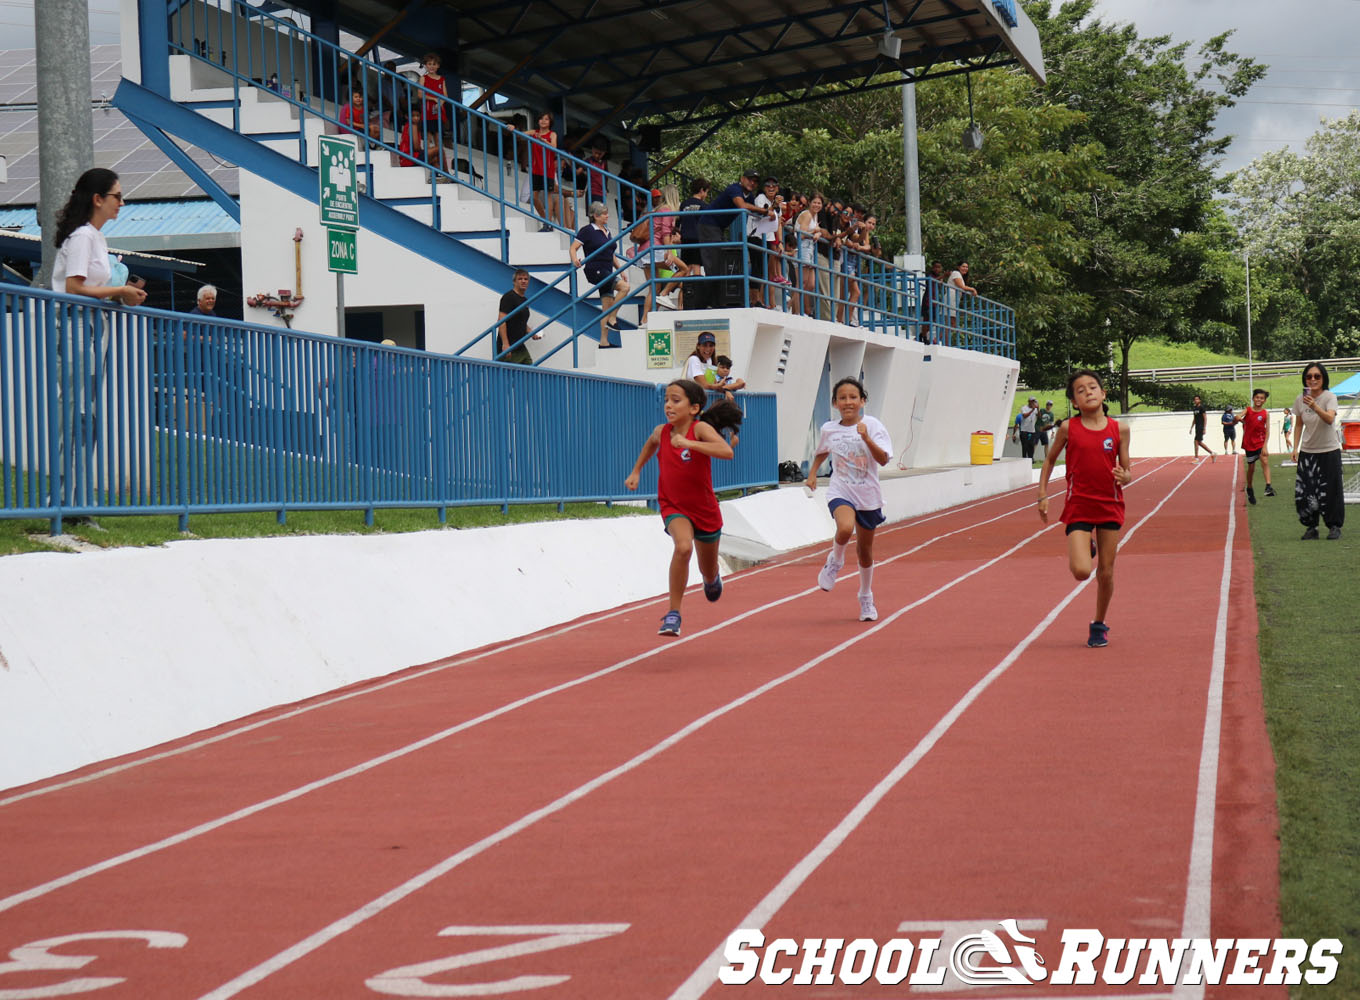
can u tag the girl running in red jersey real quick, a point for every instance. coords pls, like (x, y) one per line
(1098, 469)
(684, 446)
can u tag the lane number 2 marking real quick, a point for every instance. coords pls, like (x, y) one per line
(410, 980)
(36, 957)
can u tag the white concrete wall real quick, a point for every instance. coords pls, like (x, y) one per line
(1157, 435)
(190, 635)
(930, 399)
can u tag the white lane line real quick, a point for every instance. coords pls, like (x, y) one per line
(9, 902)
(1199, 880)
(706, 974)
(417, 674)
(414, 884)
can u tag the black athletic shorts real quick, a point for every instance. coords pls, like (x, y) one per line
(1087, 526)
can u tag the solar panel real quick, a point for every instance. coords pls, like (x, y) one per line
(147, 174)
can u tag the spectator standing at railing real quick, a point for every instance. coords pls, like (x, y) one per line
(596, 242)
(543, 171)
(810, 233)
(514, 329)
(929, 305)
(854, 244)
(761, 230)
(436, 111)
(958, 284)
(734, 203)
(82, 266)
(696, 292)
(206, 301)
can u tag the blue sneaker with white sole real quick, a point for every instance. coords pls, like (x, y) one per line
(713, 590)
(670, 624)
(1099, 636)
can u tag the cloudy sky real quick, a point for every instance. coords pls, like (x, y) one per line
(1311, 50)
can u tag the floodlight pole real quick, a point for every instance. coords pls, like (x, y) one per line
(911, 175)
(65, 119)
(1251, 383)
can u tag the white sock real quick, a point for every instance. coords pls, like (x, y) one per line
(838, 552)
(866, 581)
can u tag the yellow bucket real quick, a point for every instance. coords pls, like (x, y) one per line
(981, 451)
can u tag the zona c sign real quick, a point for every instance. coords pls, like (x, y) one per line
(342, 251)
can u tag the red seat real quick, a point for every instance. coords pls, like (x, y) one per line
(1350, 435)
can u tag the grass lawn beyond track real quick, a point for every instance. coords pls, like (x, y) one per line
(1310, 660)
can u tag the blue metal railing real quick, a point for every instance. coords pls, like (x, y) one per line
(252, 47)
(844, 286)
(106, 410)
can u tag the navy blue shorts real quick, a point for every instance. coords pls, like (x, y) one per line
(866, 519)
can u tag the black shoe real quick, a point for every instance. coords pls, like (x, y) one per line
(1334, 534)
(1270, 490)
(1251, 495)
(1311, 533)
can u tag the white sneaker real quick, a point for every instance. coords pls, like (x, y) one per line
(867, 611)
(826, 579)
(666, 302)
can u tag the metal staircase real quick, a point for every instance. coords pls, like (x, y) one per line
(463, 212)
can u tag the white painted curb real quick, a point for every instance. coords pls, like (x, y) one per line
(104, 653)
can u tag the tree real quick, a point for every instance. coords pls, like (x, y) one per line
(1087, 206)
(1153, 116)
(1299, 218)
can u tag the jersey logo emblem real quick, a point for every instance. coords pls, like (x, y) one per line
(684, 455)
(1108, 443)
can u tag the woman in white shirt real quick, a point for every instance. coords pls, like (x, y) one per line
(699, 365)
(82, 266)
(809, 232)
(1318, 490)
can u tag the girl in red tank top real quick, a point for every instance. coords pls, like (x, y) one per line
(685, 445)
(1098, 469)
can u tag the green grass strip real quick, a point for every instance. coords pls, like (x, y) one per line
(1310, 661)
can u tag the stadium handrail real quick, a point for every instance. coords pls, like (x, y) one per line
(485, 139)
(109, 410)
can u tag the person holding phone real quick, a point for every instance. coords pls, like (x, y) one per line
(1317, 452)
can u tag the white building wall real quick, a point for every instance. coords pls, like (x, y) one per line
(931, 399)
(456, 308)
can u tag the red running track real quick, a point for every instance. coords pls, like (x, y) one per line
(590, 811)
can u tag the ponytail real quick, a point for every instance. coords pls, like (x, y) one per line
(723, 415)
(80, 206)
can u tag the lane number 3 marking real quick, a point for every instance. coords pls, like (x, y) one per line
(410, 980)
(36, 957)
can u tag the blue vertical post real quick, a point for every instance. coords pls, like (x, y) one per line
(153, 44)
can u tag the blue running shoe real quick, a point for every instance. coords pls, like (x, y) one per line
(1100, 635)
(670, 624)
(713, 590)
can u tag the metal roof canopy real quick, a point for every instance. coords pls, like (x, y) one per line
(699, 60)
(23, 246)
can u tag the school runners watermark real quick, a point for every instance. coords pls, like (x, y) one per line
(962, 955)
